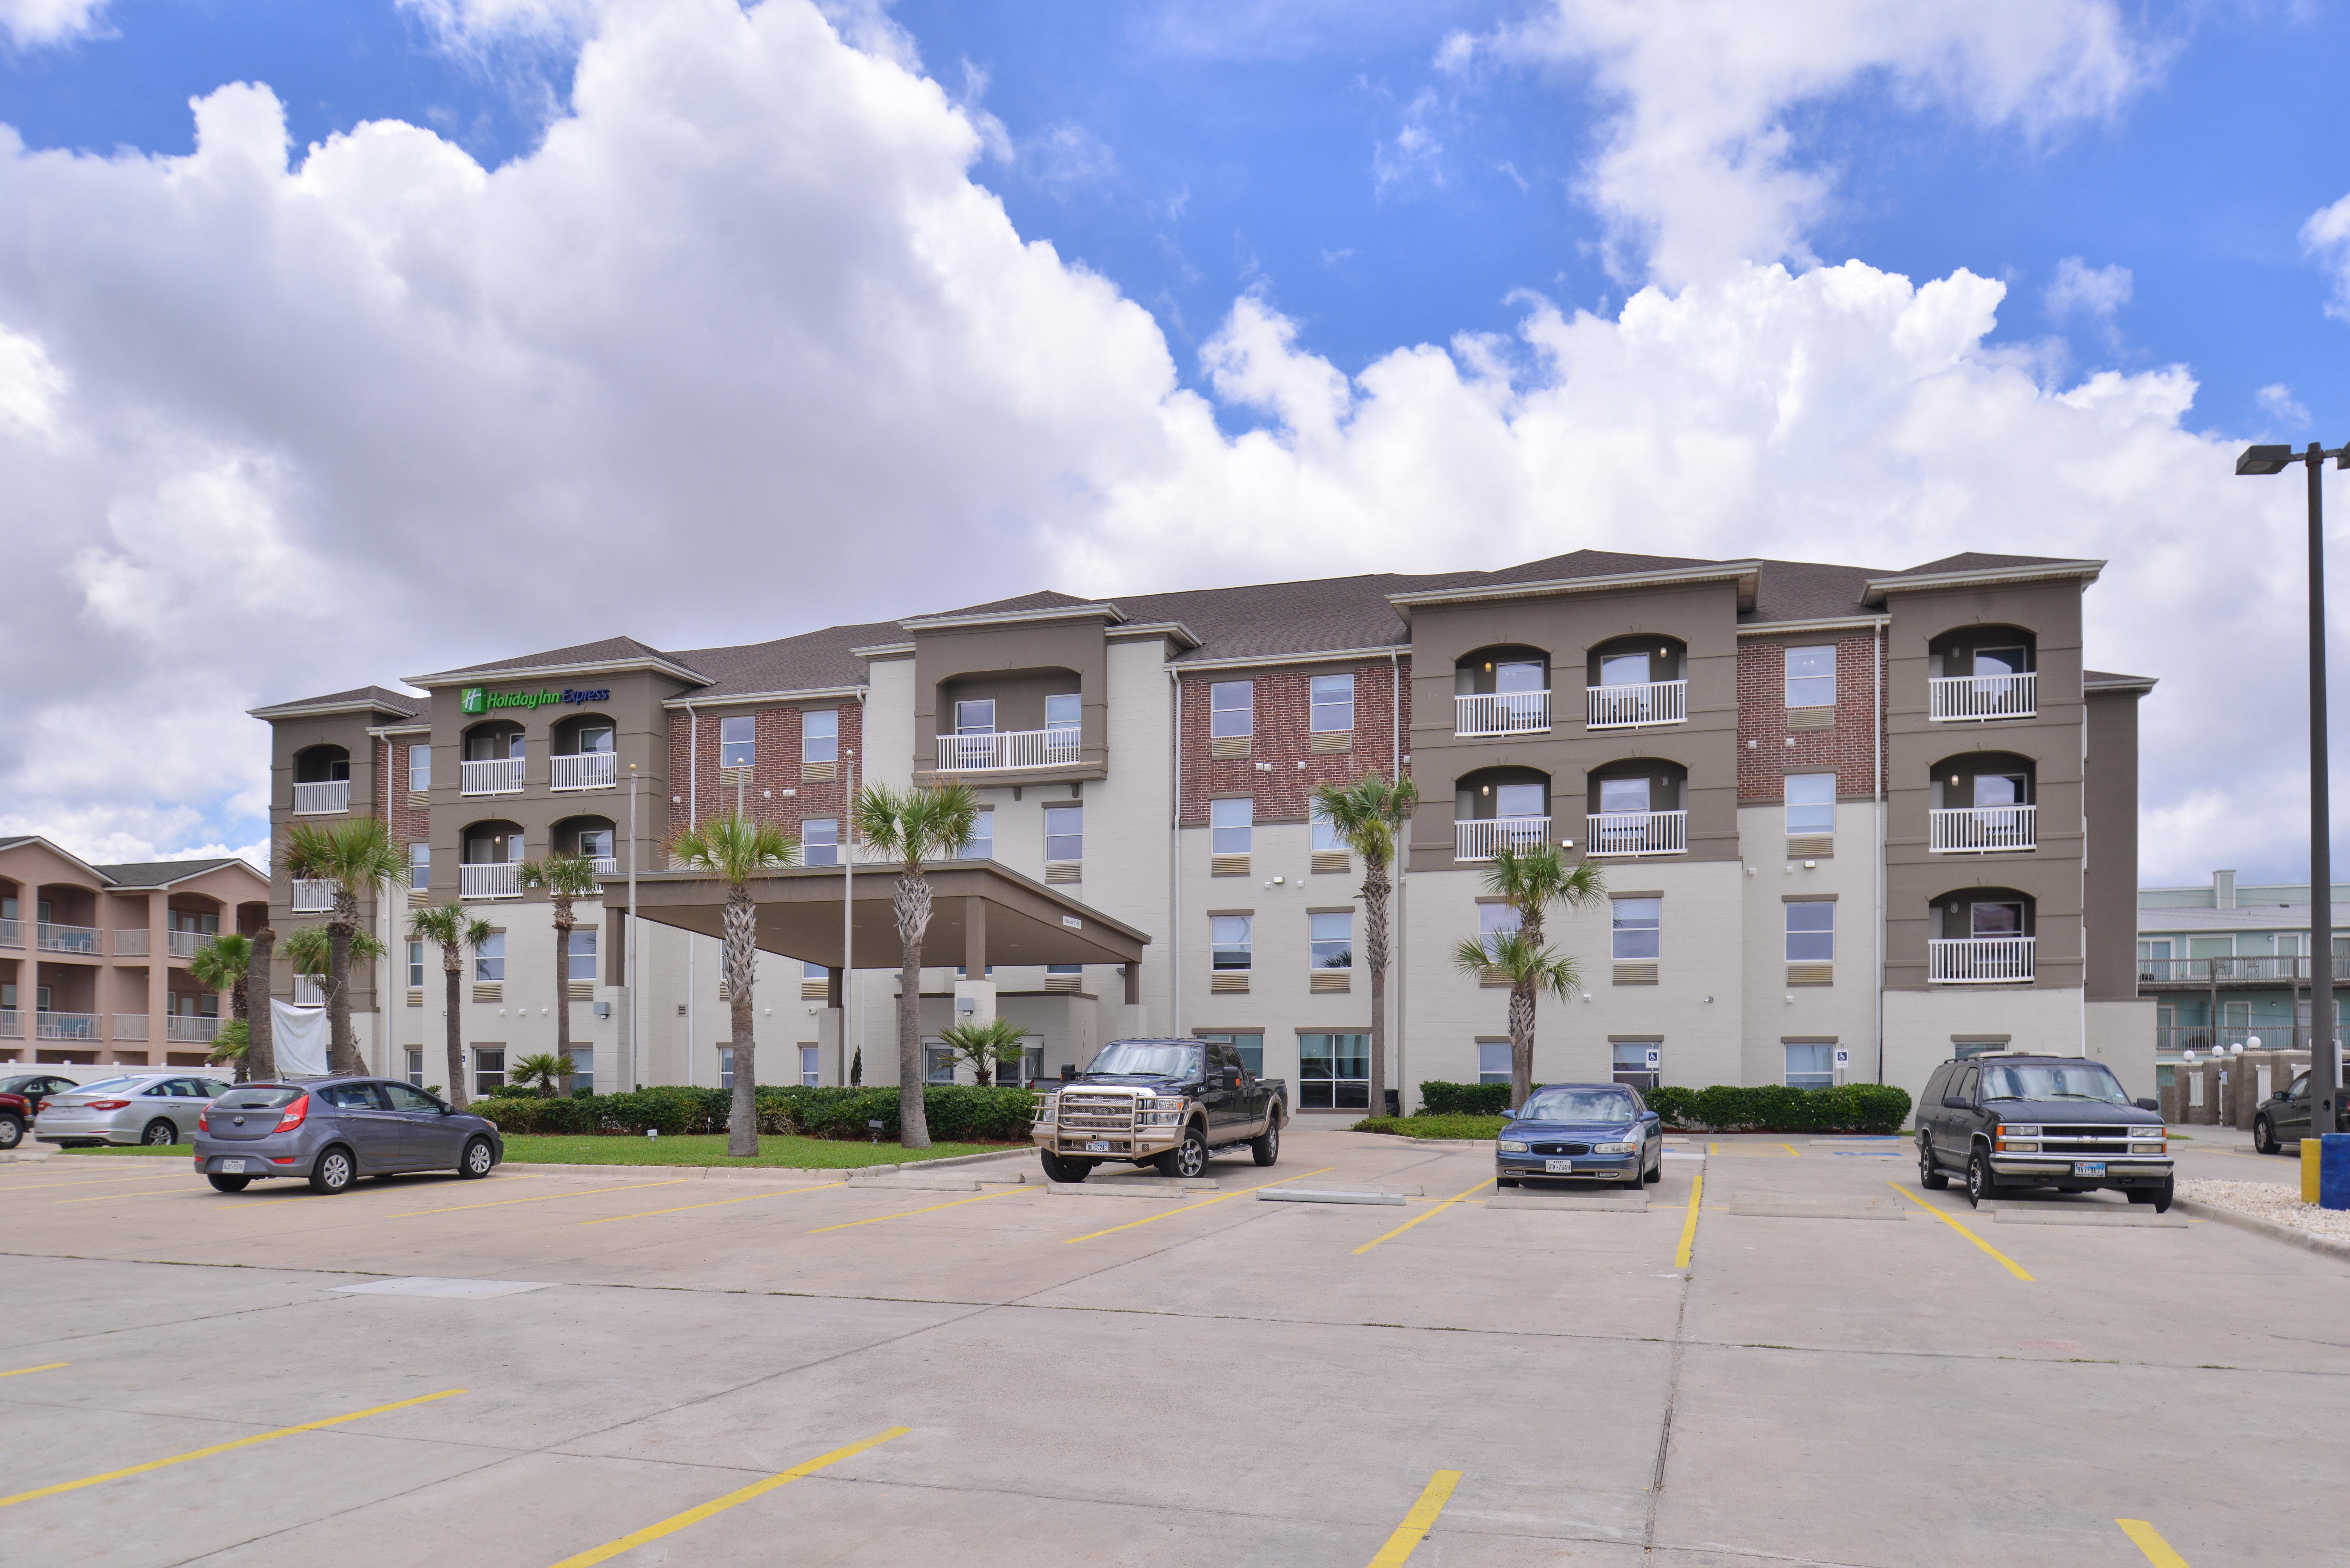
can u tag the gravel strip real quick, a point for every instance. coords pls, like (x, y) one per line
(2270, 1200)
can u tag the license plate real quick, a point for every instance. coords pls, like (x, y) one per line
(2088, 1168)
(232, 1166)
(1098, 1145)
(1562, 1167)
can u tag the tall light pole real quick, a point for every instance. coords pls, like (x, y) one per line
(2326, 1060)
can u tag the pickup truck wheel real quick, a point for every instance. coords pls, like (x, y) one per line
(1267, 1149)
(1980, 1185)
(2263, 1135)
(1930, 1176)
(2161, 1196)
(12, 1132)
(1188, 1158)
(1059, 1169)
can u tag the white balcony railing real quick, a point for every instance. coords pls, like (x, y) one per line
(309, 991)
(183, 944)
(608, 866)
(313, 895)
(12, 933)
(1649, 702)
(329, 797)
(1983, 696)
(1982, 829)
(191, 1026)
(589, 770)
(501, 879)
(1478, 839)
(65, 1025)
(1500, 714)
(1637, 833)
(499, 776)
(12, 1023)
(56, 938)
(1011, 749)
(131, 1026)
(1977, 961)
(129, 942)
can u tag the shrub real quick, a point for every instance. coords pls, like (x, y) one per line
(1773, 1107)
(1437, 1099)
(958, 1113)
(1433, 1127)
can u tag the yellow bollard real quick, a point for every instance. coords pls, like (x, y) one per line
(2309, 1149)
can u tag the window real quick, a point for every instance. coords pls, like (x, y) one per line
(962, 971)
(820, 735)
(1249, 1047)
(420, 864)
(1229, 825)
(1067, 968)
(490, 960)
(420, 768)
(416, 966)
(1065, 833)
(938, 1064)
(1810, 1067)
(1621, 795)
(1334, 1072)
(726, 1066)
(976, 717)
(489, 1070)
(738, 742)
(595, 740)
(1624, 670)
(416, 1066)
(1325, 835)
(1639, 927)
(596, 843)
(1811, 804)
(1063, 711)
(820, 841)
(1993, 662)
(1333, 940)
(1811, 677)
(1811, 932)
(583, 1068)
(1639, 1062)
(1995, 920)
(1494, 921)
(1493, 1061)
(983, 836)
(582, 957)
(1332, 704)
(1232, 709)
(1229, 941)
(808, 1069)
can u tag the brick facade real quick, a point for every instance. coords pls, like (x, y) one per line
(1850, 748)
(1282, 737)
(409, 825)
(777, 768)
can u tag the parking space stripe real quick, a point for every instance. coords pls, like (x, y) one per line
(2149, 1540)
(1418, 1521)
(175, 1191)
(225, 1447)
(909, 1213)
(1688, 1227)
(2006, 1262)
(44, 1366)
(677, 1522)
(542, 1198)
(92, 1181)
(1189, 1207)
(1415, 1220)
(716, 1203)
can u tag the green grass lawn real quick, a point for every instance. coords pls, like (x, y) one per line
(710, 1148)
(1434, 1126)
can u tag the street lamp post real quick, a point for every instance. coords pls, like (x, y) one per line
(2326, 1062)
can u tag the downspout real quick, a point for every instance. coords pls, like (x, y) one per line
(1175, 864)
(1876, 798)
(693, 810)
(1403, 854)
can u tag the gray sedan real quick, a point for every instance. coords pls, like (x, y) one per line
(158, 1108)
(335, 1131)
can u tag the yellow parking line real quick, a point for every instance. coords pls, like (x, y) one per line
(126, 1197)
(225, 1447)
(908, 1213)
(1418, 1522)
(718, 1203)
(2006, 1262)
(1188, 1208)
(543, 1198)
(1793, 1150)
(1415, 1220)
(94, 1181)
(1689, 1226)
(44, 1366)
(677, 1522)
(2149, 1540)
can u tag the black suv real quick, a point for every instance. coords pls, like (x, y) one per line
(2011, 1120)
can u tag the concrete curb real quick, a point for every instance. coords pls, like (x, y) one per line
(858, 1174)
(1314, 1195)
(2291, 1236)
(1089, 1189)
(1432, 1142)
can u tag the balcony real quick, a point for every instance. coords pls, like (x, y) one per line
(1478, 839)
(183, 944)
(12, 933)
(499, 776)
(607, 866)
(1967, 696)
(589, 770)
(2249, 969)
(329, 797)
(65, 1025)
(1010, 749)
(189, 1026)
(1501, 713)
(129, 942)
(499, 879)
(1627, 707)
(313, 895)
(1979, 960)
(12, 1023)
(131, 1026)
(1637, 833)
(56, 938)
(1982, 829)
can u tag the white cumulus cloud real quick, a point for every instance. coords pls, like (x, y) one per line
(30, 23)
(2080, 290)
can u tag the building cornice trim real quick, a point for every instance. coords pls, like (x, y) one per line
(1876, 588)
(1747, 575)
(1329, 655)
(1101, 610)
(554, 671)
(745, 699)
(1824, 623)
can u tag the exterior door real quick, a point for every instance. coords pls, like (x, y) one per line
(2290, 1115)
(1952, 1126)
(427, 1139)
(366, 1121)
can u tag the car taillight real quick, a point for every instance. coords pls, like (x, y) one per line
(202, 1123)
(294, 1114)
(105, 1105)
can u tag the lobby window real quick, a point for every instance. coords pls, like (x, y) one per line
(1811, 932)
(1811, 804)
(1639, 1064)
(420, 768)
(820, 841)
(1493, 1061)
(1811, 676)
(1064, 834)
(1638, 928)
(490, 960)
(1230, 826)
(1229, 941)
(975, 717)
(1495, 921)
(1332, 703)
(983, 836)
(938, 1064)
(1065, 714)
(808, 1069)
(1810, 1065)
(1334, 1072)
(420, 864)
(820, 735)
(1250, 1047)
(1333, 937)
(416, 966)
(1232, 709)
(582, 957)
(738, 742)
(489, 1070)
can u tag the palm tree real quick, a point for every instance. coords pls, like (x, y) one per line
(222, 964)
(1368, 817)
(261, 1047)
(311, 951)
(921, 823)
(1529, 967)
(1532, 879)
(452, 931)
(735, 849)
(986, 1046)
(563, 878)
(233, 1043)
(542, 1069)
(359, 858)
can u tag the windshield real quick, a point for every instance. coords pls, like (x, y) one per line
(1147, 1059)
(1579, 1106)
(2052, 1081)
(256, 1099)
(16, 1086)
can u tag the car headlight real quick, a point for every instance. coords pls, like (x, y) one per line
(1511, 1145)
(2143, 1143)
(1615, 1148)
(2008, 1145)
(1045, 1111)
(2019, 1132)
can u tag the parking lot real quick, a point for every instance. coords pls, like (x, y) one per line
(1791, 1354)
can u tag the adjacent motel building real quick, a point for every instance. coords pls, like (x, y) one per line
(1850, 821)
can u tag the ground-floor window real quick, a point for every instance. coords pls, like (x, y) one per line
(808, 1068)
(416, 1068)
(1810, 1065)
(726, 1066)
(1639, 1062)
(938, 1064)
(489, 1070)
(1251, 1045)
(1493, 1061)
(583, 1068)
(1334, 1072)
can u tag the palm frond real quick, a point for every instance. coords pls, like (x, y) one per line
(221, 963)
(733, 849)
(358, 856)
(1368, 815)
(565, 875)
(926, 823)
(1508, 955)
(309, 948)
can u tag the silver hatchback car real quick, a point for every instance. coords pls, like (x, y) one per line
(158, 1108)
(334, 1131)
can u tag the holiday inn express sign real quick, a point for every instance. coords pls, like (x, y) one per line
(481, 699)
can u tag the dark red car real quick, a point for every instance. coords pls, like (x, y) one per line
(15, 1116)
(21, 1099)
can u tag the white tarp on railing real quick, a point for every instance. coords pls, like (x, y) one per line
(298, 1037)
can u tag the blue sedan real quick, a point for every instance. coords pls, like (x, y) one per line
(1581, 1132)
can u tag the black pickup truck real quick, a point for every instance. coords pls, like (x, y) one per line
(1161, 1103)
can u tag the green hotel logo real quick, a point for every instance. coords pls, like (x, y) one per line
(481, 699)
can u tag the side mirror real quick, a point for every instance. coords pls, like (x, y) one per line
(1954, 1103)
(1652, 1116)
(2149, 1104)
(1511, 1113)
(2282, 1094)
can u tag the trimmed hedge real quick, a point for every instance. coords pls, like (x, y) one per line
(1724, 1108)
(1462, 1099)
(957, 1113)
(1482, 1127)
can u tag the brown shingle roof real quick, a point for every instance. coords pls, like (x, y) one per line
(607, 651)
(391, 702)
(153, 873)
(811, 661)
(1976, 561)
